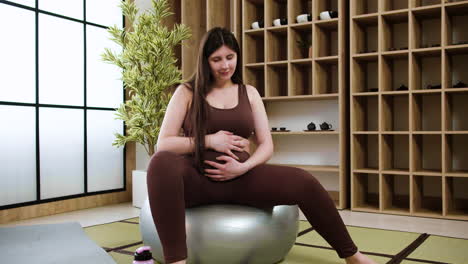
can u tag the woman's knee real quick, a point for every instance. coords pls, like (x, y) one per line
(164, 163)
(307, 180)
(162, 158)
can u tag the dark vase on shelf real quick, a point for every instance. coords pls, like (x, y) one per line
(311, 126)
(460, 84)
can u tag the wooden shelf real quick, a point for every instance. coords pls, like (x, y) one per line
(457, 174)
(291, 74)
(302, 26)
(365, 132)
(328, 24)
(258, 65)
(396, 172)
(318, 132)
(328, 59)
(255, 32)
(366, 170)
(316, 168)
(411, 141)
(302, 97)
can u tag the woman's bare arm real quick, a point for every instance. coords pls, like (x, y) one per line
(169, 138)
(263, 139)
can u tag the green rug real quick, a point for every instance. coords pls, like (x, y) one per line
(121, 239)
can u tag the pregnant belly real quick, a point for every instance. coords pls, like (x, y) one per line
(212, 155)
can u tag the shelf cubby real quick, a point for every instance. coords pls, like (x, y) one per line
(395, 153)
(426, 70)
(456, 154)
(364, 35)
(427, 157)
(396, 193)
(391, 5)
(300, 35)
(289, 74)
(255, 76)
(300, 7)
(362, 7)
(326, 38)
(277, 80)
(365, 74)
(253, 10)
(456, 118)
(277, 49)
(394, 73)
(426, 112)
(255, 40)
(457, 20)
(426, 28)
(365, 155)
(366, 194)
(395, 112)
(366, 113)
(395, 31)
(422, 3)
(456, 189)
(275, 9)
(427, 195)
(457, 67)
(326, 5)
(326, 77)
(301, 78)
(216, 18)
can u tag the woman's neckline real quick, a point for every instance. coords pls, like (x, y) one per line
(232, 108)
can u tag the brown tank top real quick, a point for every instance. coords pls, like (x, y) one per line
(238, 120)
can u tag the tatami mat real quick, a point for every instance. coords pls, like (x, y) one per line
(121, 239)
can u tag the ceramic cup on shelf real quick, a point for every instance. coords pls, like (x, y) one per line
(328, 15)
(257, 24)
(280, 21)
(302, 18)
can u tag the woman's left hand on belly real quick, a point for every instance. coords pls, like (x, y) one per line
(227, 171)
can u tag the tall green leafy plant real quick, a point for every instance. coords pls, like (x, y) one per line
(149, 69)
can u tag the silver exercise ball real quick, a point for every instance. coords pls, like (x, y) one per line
(230, 234)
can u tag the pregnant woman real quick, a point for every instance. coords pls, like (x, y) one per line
(212, 163)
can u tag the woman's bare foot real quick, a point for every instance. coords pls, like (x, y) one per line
(359, 258)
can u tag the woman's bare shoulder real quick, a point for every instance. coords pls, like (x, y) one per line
(252, 92)
(184, 91)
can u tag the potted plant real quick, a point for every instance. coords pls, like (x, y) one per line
(149, 70)
(305, 45)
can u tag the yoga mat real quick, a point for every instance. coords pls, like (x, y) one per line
(51, 243)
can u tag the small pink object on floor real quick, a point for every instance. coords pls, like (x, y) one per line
(143, 256)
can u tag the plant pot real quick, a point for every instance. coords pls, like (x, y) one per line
(139, 188)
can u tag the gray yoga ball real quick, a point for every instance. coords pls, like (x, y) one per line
(230, 234)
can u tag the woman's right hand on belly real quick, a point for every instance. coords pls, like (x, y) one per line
(227, 142)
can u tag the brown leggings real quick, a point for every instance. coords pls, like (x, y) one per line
(174, 184)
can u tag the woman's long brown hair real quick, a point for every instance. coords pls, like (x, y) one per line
(200, 84)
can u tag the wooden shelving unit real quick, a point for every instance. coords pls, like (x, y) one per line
(409, 128)
(299, 86)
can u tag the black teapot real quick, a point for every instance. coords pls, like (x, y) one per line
(325, 126)
(311, 126)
